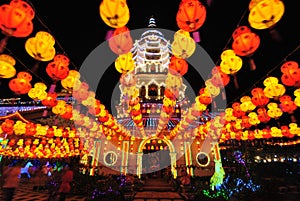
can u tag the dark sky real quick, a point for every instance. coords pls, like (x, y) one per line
(78, 29)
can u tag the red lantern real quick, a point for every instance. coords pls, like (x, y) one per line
(58, 69)
(258, 97)
(237, 112)
(21, 84)
(204, 97)
(262, 115)
(291, 74)
(245, 43)
(8, 126)
(178, 66)
(15, 20)
(30, 129)
(191, 15)
(50, 101)
(219, 78)
(171, 94)
(121, 41)
(287, 104)
(68, 113)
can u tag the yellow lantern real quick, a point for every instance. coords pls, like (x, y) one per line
(7, 69)
(41, 47)
(297, 99)
(114, 13)
(124, 63)
(273, 110)
(273, 89)
(247, 105)
(265, 13)
(231, 64)
(38, 92)
(183, 45)
(69, 82)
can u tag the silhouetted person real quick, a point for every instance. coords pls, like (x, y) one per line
(11, 176)
(66, 179)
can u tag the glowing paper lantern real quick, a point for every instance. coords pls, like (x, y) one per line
(183, 45)
(15, 20)
(290, 74)
(114, 13)
(121, 41)
(41, 47)
(7, 69)
(219, 78)
(273, 89)
(69, 82)
(231, 64)
(265, 13)
(21, 84)
(177, 66)
(59, 68)
(258, 97)
(124, 63)
(191, 15)
(245, 43)
(38, 92)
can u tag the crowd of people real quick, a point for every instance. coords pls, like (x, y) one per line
(42, 177)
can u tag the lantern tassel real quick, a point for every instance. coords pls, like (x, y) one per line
(252, 63)
(196, 36)
(236, 84)
(275, 35)
(35, 67)
(3, 43)
(293, 118)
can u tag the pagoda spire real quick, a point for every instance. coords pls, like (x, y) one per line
(152, 22)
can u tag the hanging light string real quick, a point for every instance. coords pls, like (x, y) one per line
(230, 38)
(42, 22)
(267, 75)
(28, 69)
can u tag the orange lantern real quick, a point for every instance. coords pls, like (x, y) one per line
(59, 68)
(7, 69)
(178, 66)
(258, 97)
(291, 74)
(41, 47)
(204, 97)
(245, 43)
(191, 15)
(21, 84)
(121, 41)
(15, 20)
(114, 13)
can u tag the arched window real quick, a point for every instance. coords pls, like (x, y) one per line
(152, 90)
